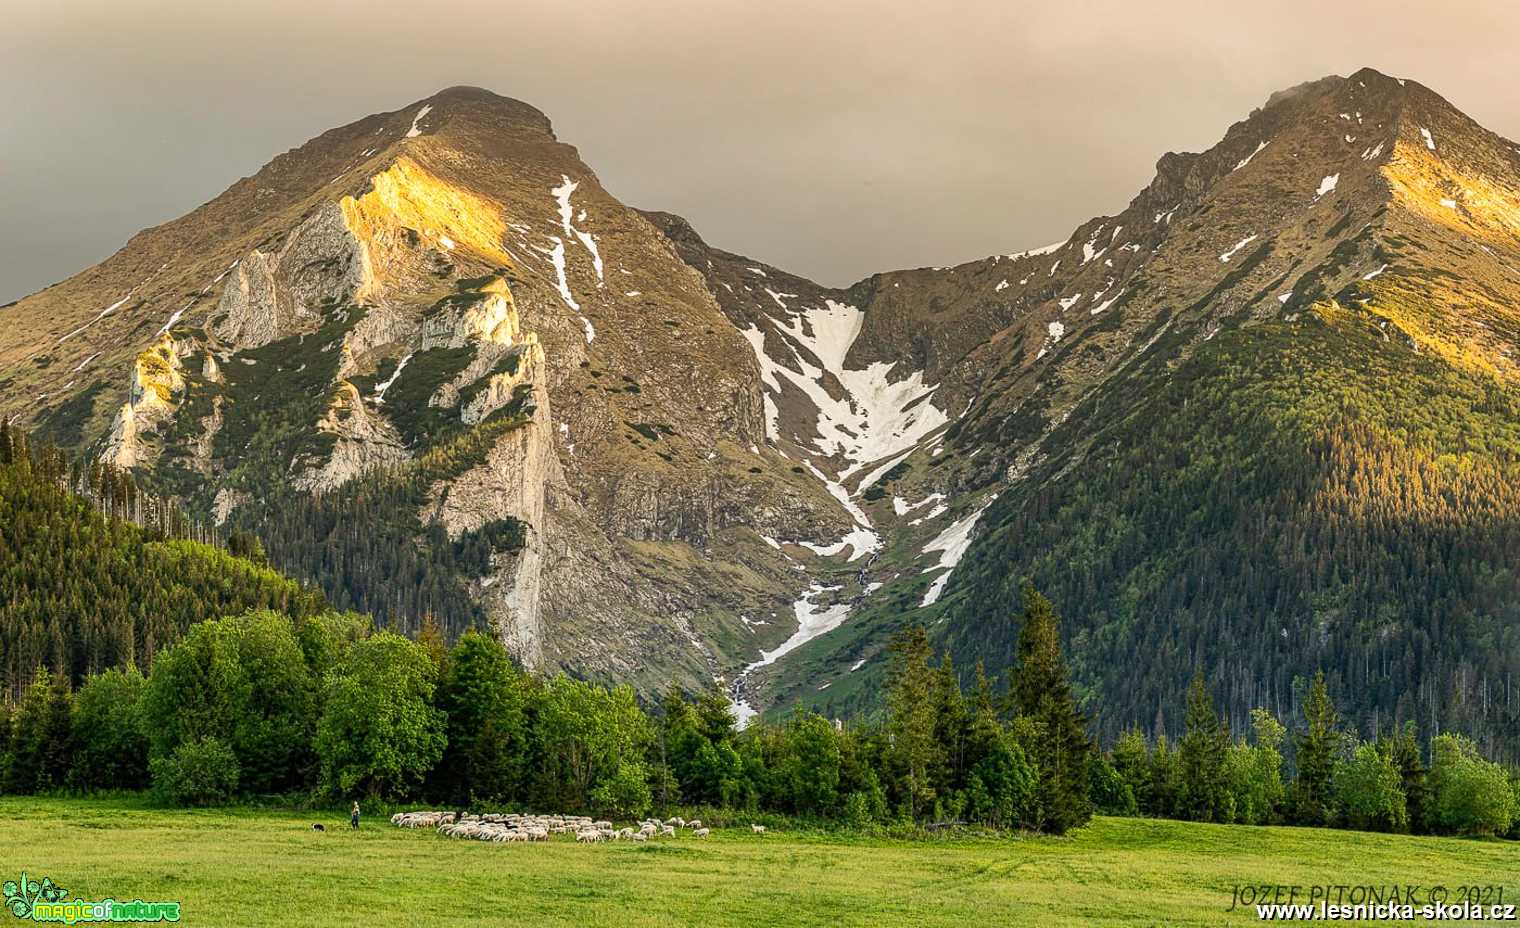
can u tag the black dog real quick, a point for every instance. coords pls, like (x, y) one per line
(318, 827)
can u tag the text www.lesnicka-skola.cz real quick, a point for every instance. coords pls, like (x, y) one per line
(1346, 902)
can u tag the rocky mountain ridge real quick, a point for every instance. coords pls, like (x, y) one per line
(688, 465)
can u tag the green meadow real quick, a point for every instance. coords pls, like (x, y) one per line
(259, 867)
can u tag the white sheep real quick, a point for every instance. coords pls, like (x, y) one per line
(667, 831)
(758, 829)
(699, 833)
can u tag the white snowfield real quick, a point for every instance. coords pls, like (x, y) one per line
(1430, 143)
(1225, 258)
(380, 388)
(556, 254)
(874, 424)
(902, 507)
(103, 313)
(812, 620)
(1247, 159)
(877, 419)
(1033, 252)
(562, 283)
(415, 131)
(562, 195)
(952, 544)
(1328, 184)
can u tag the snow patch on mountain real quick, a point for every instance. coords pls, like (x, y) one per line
(562, 195)
(562, 283)
(902, 507)
(1035, 252)
(380, 388)
(103, 313)
(813, 619)
(780, 298)
(876, 418)
(1105, 304)
(952, 543)
(415, 130)
(1247, 159)
(1225, 258)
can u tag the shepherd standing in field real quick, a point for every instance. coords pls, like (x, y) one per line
(353, 817)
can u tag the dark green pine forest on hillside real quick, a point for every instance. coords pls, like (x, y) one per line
(1292, 497)
(84, 588)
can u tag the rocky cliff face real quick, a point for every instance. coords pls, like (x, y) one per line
(639, 457)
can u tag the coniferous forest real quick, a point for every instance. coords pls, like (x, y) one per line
(1271, 509)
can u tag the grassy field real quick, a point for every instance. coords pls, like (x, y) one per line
(240, 868)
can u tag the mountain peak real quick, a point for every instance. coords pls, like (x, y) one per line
(487, 110)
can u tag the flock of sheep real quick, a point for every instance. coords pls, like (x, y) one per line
(510, 827)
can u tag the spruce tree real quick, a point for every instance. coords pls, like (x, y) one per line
(949, 725)
(912, 716)
(1163, 796)
(1407, 758)
(1062, 751)
(983, 727)
(1201, 757)
(1318, 747)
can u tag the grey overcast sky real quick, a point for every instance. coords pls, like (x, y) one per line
(833, 138)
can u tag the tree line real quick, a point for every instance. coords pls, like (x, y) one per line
(261, 704)
(1392, 783)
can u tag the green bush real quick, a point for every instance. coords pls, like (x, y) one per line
(1468, 795)
(1369, 791)
(199, 773)
(625, 794)
(110, 749)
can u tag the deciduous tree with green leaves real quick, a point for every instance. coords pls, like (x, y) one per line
(1468, 795)
(110, 748)
(1369, 791)
(380, 733)
(484, 698)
